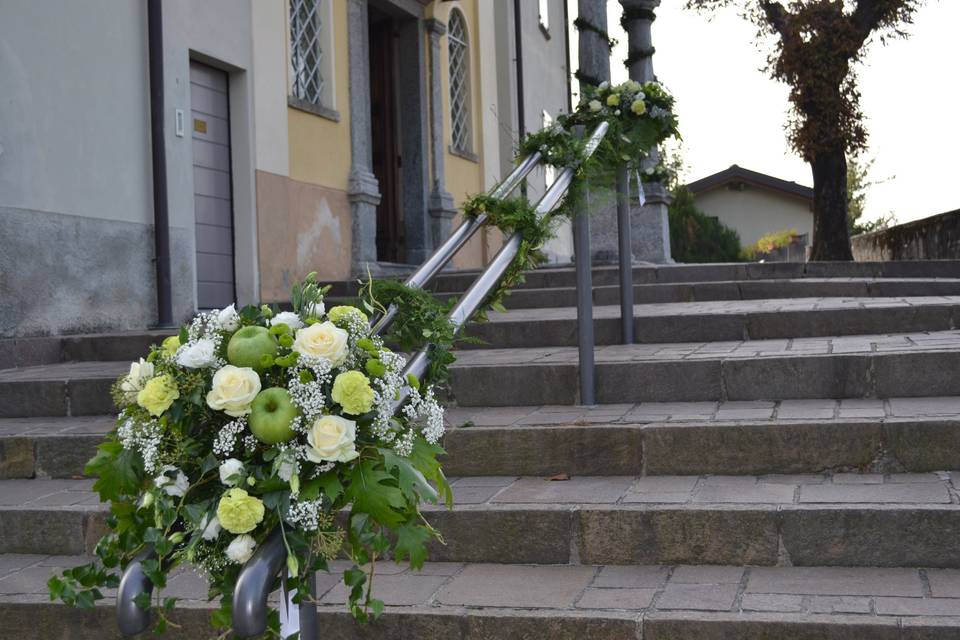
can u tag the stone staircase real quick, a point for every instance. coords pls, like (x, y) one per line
(773, 459)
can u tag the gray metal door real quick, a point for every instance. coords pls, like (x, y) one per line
(212, 186)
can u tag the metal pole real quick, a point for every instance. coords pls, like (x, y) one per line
(626, 255)
(308, 611)
(581, 249)
(161, 223)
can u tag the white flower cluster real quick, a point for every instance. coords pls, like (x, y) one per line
(201, 353)
(305, 515)
(659, 112)
(386, 390)
(309, 396)
(226, 440)
(425, 412)
(142, 438)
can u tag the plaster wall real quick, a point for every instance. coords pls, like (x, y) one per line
(755, 212)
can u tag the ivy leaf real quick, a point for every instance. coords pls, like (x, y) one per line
(328, 483)
(411, 480)
(372, 492)
(119, 471)
(424, 458)
(412, 544)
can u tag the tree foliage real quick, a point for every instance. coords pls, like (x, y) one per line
(858, 184)
(817, 42)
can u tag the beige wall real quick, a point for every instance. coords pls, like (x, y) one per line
(755, 212)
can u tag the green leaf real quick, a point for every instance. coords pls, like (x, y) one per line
(412, 541)
(412, 482)
(327, 482)
(372, 492)
(424, 458)
(119, 471)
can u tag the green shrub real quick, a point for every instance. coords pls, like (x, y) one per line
(768, 243)
(695, 236)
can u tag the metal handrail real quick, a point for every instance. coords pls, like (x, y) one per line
(443, 254)
(488, 279)
(131, 619)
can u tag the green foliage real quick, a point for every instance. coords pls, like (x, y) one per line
(769, 243)
(421, 320)
(858, 185)
(696, 237)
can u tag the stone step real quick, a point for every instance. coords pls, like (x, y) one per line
(549, 277)
(861, 366)
(29, 352)
(529, 298)
(722, 320)
(805, 520)
(729, 438)
(64, 389)
(457, 601)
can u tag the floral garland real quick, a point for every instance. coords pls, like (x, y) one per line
(639, 116)
(254, 420)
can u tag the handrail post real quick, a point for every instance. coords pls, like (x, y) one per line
(585, 338)
(131, 619)
(626, 255)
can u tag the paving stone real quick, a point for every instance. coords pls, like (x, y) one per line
(755, 493)
(772, 602)
(707, 575)
(698, 597)
(917, 607)
(632, 599)
(499, 586)
(875, 493)
(944, 583)
(840, 604)
(835, 581)
(394, 590)
(631, 577)
(575, 490)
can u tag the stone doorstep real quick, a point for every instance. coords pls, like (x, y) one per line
(613, 520)
(785, 595)
(916, 435)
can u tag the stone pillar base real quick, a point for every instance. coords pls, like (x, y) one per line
(442, 212)
(363, 192)
(650, 224)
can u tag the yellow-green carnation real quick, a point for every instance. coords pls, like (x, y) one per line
(170, 345)
(613, 100)
(239, 512)
(339, 313)
(351, 390)
(158, 394)
(639, 107)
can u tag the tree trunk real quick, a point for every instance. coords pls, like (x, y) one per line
(831, 237)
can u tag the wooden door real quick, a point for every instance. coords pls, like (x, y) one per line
(386, 149)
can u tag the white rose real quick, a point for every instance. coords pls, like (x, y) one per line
(197, 355)
(595, 106)
(175, 486)
(286, 467)
(633, 86)
(229, 319)
(322, 340)
(241, 548)
(210, 528)
(603, 85)
(140, 372)
(288, 318)
(231, 467)
(315, 310)
(234, 388)
(331, 439)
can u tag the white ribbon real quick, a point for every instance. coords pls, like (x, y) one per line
(289, 615)
(641, 196)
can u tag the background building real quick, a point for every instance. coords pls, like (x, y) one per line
(298, 135)
(754, 204)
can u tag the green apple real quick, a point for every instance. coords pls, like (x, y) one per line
(271, 413)
(248, 346)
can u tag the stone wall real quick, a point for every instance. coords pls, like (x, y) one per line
(933, 238)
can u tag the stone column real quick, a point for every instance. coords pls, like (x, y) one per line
(440, 202)
(363, 191)
(594, 68)
(650, 222)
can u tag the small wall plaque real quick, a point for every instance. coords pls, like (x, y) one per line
(200, 126)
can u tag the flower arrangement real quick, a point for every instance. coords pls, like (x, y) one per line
(254, 420)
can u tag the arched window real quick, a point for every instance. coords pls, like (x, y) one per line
(459, 42)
